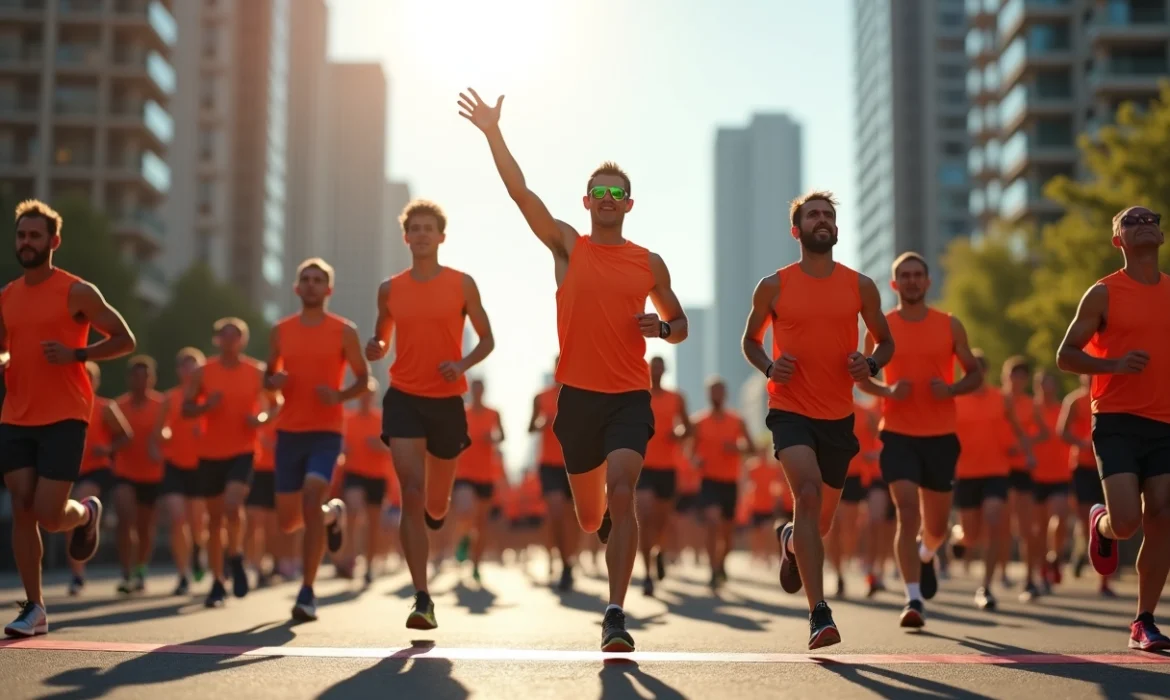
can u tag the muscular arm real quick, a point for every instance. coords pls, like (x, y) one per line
(85, 299)
(1090, 318)
(118, 425)
(972, 372)
(875, 321)
(532, 423)
(1017, 430)
(352, 347)
(1042, 431)
(872, 386)
(1064, 423)
(763, 299)
(384, 326)
(499, 436)
(747, 444)
(479, 321)
(666, 302)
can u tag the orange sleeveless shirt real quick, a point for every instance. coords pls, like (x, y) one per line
(98, 435)
(762, 483)
(926, 349)
(688, 478)
(550, 448)
(1138, 318)
(360, 457)
(227, 430)
(133, 461)
(182, 448)
(475, 464)
(666, 406)
(1023, 408)
(429, 318)
(40, 393)
(604, 290)
(1052, 454)
(1082, 429)
(815, 320)
(312, 356)
(717, 444)
(984, 435)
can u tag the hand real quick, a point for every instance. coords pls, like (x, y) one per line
(649, 325)
(782, 368)
(328, 395)
(1132, 363)
(940, 389)
(858, 367)
(213, 399)
(376, 350)
(57, 354)
(277, 380)
(451, 370)
(478, 112)
(900, 390)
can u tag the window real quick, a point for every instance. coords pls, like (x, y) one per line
(207, 92)
(953, 174)
(210, 42)
(206, 144)
(954, 97)
(953, 122)
(1054, 83)
(1054, 131)
(206, 196)
(950, 71)
(953, 148)
(951, 19)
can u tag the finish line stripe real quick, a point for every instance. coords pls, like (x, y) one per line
(557, 655)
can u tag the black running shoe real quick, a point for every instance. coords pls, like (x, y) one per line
(239, 576)
(789, 573)
(822, 630)
(217, 596)
(614, 637)
(566, 583)
(606, 526)
(660, 565)
(913, 615)
(422, 614)
(928, 578)
(183, 587)
(648, 587)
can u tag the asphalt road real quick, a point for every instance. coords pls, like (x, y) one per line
(516, 637)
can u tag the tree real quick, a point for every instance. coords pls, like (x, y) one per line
(198, 300)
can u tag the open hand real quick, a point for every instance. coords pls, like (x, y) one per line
(451, 370)
(782, 368)
(858, 367)
(478, 112)
(649, 325)
(376, 350)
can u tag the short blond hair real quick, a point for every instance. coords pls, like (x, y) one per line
(907, 257)
(239, 324)
(423, 207)
(37, 209)
(815, 196)
(190, 353)
(144, 361)
(319, 264)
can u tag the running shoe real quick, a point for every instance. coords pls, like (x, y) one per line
(422, 613)
(31, 621)
(1144, 635)
(83, 541)
(614, 637)
(1102, 550)
(789, 573)
(913, 615)
(822, 630)
(305, 609)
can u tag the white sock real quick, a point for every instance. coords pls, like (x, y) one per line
(913, 592)
(925, 554)
(788, 544)
(611, 606)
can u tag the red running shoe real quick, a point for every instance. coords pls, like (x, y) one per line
(1144, 635)
(1102, 550)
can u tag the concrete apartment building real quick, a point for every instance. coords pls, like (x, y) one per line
(1042, 73)
(85, 109)
(911, 138)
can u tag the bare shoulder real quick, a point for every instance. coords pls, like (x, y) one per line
(84, 291)
(768, 288)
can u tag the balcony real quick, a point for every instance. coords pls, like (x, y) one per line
(75, 59)
(146, 228)
(981, 13)
(1014, 14)
(144, 168)
(31, 11)
(18, 57)
(148, 14)
(152, 284)
(1024, 101)
(1037, 51)
(981, 45)
(23, 109)
(1025, 198)
(1024, 149)
(1131, 77)
(1120, 22)
(84, 11)
(149, 65)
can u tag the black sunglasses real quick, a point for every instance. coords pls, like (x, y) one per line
(1138, 219)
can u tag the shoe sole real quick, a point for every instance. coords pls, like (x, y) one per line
(825, 638)
(911, 619)
(38, 630)
(300, 615)
(1156, 646)
(418, 622)
(617, 646)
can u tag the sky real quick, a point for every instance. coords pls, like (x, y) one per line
(644, 83)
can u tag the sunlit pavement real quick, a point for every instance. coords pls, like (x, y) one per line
(517, 637)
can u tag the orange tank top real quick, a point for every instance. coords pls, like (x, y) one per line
(227, 428)
(604, 290)
(1023, 408)
(475, 463)
(313, 356)
(361, 458)
(866, 437)
(1138, 318)
(688, 478)
(815, 320)
(1082, 429)
(133, 461)
(265, 458)
(39, 393)
(1052, 454)
(181, 448)
(666, 406)
(926, 350)
(429, 318)
(762, 482)
(984, 435)
(98, 435)
(531, 498)
(550, 447)
(717, 445)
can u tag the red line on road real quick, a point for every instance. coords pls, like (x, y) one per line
(559, 655)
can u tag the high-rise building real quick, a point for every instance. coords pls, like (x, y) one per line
(911, 139)
(396, 253)
(757, 173)
(1042, 73)
(692, 358)
(85, 109)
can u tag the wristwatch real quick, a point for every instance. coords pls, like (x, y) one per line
(81, 355)
(663, 329)
(873, 366)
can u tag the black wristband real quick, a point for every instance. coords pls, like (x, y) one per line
(663, 329)
(768, 370)
(873, 366)
(81, 355)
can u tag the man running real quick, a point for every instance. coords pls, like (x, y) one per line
(180, 447)
(228, 393)
(1124, 321)
(1050, 481)
(604, 417)
(919, 445)
(423, 419)
(812, 307)
(138, 470)
(307, 358)
(367, 467)
(45, 319)
(1028, 426)
(844, 534)
(475, 477)
(554, 481)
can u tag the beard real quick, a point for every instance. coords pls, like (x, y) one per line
(814, 245)
(39, 257)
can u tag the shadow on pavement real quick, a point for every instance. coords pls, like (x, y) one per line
(888, 683)
(149, 669)
(617, 682)
(933, 612)
(1058, 617)
(477, 601)
(399, 677)
(125, 617)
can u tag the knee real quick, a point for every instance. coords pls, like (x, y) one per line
(1156, 517)
(413, 498)
(808, 497)
(621, 500)
(49, 518)
(1125, 525)
(590, 522)
(178, 518)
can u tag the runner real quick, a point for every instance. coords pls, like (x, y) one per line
(1028, 426)
(604, 417)
(1124, 320)
(919, 446)
(108, 432)
(307, 356)
(262, 533)
(427, 305)
(685, 528)
(812, 307)
(367, 467)
(554, 481)
(1076, 428)
(180, 438)
(761, 495)
(844, 535)
(228, 393)
(475, 476)
(721, 443)
(45, 319)
(1050, 479)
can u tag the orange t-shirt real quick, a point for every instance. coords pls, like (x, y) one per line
(717, 445)
(475, 463)
(265, 459)
(181, 447)
(98, 435)
(1052, 454)
(1081, 420)
(1138, 318)
(429, 318)
(550, 448)
(362, 458)
(228, 431)
(133, 461)
(1024, 409)
(313, 356)
(39, 393)
(688, 479)
(763, 485)
(984, 435)
(926, 350)
(531, 497)
(815, 320)
(667, 406)
(604, 289)
(866, 437)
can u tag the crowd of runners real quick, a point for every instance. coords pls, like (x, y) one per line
(900, 444)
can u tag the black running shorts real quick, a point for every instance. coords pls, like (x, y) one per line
(554, 479)
(442, 421)
(853, 492)
(1043, 492)
(590, 425)
(482, 491)
(833, 441)
(720, 494)
(373, 490)
(179, 481)
(1129, 444)
(659, 481)
(55, 450)
(1087, 485)
(973, 493)
(927, 461)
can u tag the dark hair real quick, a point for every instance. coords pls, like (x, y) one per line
(1017, 363)
(907, 257)
(143, 362)
(37, 209)
(814, 196)
(609, 168)
(423, 207)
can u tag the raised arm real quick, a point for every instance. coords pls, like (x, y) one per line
(684, 419)
(273, 375)
(85, 299)
(473, 305)
(556, 235)
(871, 385)
(763, 298)
(118, 425)
(972, 372)
(670, 311)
